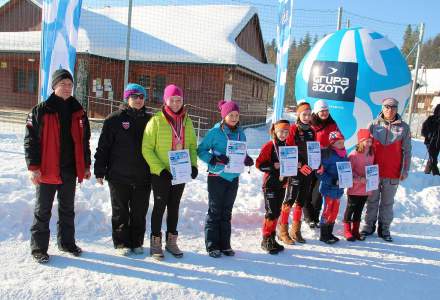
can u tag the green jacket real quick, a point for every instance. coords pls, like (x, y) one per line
(157, 141)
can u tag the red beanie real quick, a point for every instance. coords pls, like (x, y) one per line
(363, 134)
(335, 136)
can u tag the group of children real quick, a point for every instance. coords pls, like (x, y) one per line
(282, 195)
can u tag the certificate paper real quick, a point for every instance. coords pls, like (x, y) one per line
(313, 155)
(180, 166)
(288, 160)
(345, 174)
(372, 177)
(236, 152)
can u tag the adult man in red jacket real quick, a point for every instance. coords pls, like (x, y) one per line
(392, 152)
(57, 151)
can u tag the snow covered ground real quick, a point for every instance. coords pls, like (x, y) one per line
(409, 268)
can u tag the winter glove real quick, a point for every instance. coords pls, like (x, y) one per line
(35, 176)
(100, 181)
(166, 175)
(219, 160)
(194, 172)
(248, 161)
(305, 170)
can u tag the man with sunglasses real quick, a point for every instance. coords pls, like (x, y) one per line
(119, 159)
(392, 151)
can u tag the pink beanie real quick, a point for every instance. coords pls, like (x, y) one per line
(227, 107)
(170, 91)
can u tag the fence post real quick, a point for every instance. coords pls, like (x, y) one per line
(339, 23)
(127, 47)
(414, 83)
(198, 129)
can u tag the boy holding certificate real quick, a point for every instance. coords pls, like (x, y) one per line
(224, 150)
(360, 158)
(330, 185)
(169, 132)
(299, 187)
(274, 185)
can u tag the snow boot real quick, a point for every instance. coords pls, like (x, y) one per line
(228, 252)
(385, 236)
(40, 257)
(283, 235)
(276, 245)
(268, 246)
(332, 225)
(171, 245)
(355, 231)
(138, 250)
(435, 170)
(428, 167)
(215, 253)
(366, 231)
(348, 233)
(326, 235)
(72, 249)
(123, 251)
(156, 247)
(295, 232)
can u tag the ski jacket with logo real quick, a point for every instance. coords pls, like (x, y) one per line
(42, 142)
(118, 156)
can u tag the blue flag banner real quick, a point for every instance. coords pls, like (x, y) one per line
(353, 70)
(59, 35)
(285, 11)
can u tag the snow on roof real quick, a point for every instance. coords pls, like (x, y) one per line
(429, 79)
(187, 34)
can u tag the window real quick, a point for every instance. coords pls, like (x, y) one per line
(159, 86)
(26, 81)
(145, 81)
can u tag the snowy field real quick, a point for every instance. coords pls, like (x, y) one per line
(409, 268)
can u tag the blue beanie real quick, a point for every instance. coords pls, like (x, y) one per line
(134, 88)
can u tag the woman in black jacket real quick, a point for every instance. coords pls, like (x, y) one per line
(119, 159)
(431, 132)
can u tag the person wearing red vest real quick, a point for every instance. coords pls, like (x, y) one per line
(392, 152)
(57, 152)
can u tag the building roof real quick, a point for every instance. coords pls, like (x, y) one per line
(428, 80)
(181, 33)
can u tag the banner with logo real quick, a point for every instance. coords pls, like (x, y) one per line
(285, 11)
(353, 70)
(59, 35)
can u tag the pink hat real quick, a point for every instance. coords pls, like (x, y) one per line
(170, 91)
(226, 107)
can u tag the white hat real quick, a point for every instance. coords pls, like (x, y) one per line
(320, 105)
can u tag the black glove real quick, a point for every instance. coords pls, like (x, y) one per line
(219, 160)
(248, 161)
(194, 172)
(166, 175)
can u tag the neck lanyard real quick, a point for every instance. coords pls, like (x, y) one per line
(276, 149)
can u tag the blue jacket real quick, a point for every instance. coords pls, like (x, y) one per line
(328, 186)
(214, 143)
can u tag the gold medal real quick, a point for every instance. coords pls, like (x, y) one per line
(179, 146)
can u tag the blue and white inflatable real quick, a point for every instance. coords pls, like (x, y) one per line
(353, 70)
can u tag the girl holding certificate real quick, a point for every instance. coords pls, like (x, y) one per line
(299, 187)
(274, 186)
(329, 186)
(222, 182)
(359, 158)
(170, 129)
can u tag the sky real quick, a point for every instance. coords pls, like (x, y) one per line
(320, 16)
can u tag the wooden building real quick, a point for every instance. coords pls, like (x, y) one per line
(213, 52)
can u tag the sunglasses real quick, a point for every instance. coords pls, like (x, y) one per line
(390, 106)
(137, 96)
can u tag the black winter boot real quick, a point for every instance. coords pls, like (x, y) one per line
(428, 167)
(385, 236)
(275, 244)
(268, 246)
(324, 233)
(331, 233)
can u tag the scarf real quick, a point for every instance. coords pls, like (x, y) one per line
(340, 152)
(178, 128)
